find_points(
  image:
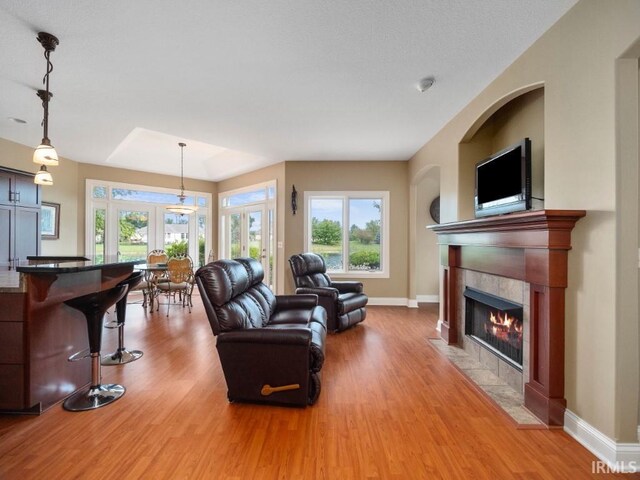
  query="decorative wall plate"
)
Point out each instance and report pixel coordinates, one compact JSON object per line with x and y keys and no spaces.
{"x":434,"y":209}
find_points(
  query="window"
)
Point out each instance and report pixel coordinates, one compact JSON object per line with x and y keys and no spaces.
{"x":350,"y":230}
{"x":131,"y":220}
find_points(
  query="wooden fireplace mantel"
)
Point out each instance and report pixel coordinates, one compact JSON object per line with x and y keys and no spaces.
{"x":533,"y":247}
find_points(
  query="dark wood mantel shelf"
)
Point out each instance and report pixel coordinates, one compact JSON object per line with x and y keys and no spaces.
{"x":533,"y":247}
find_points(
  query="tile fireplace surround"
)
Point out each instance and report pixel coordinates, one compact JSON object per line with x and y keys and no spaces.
{"x":526,"y":252}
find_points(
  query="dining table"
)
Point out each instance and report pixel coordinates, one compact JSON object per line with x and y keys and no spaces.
{"x":153,"y":273}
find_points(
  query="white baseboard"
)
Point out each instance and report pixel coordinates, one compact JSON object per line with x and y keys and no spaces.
{"x":390,"y":301}
{"x":403,"y":302}
{"x":428,"y":298}
{"x":618,"y":457}
{"x":439,"y":326}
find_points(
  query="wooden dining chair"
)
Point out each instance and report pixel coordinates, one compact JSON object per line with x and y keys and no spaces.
{"x":179,"y":276}
{"x":152,"y":278}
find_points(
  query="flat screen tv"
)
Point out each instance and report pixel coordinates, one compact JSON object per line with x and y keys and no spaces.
{"x":503,"y":181}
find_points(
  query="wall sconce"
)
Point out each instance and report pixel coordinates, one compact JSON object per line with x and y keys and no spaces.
{"x":45,"y":154}
{"x":294,"y":200}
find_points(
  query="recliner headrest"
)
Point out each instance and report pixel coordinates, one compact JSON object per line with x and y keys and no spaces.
{"x":224,"y":279}
{"x":307,"y":264}
{"x":254,"y":270}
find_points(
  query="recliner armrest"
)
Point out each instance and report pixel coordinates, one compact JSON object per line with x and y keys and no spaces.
{"x":289,"y":336}
{"x":287,"y":302}
{"x":319,"y":291}
{"x":348,"y":286}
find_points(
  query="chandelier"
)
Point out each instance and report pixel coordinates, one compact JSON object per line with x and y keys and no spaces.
{"x":180,"y":207}
{"x":45,"y":155}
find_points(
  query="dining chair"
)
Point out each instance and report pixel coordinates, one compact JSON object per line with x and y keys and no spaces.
{"x":179,"y":279}
{"x":152,"y":278}
{"x":191,"y":281}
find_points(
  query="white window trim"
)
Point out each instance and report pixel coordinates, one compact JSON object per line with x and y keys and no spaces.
{"x":250,"y":188}
{"x":385,"y":271}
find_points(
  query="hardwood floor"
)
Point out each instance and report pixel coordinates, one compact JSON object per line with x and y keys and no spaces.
{"x":391,"y":407}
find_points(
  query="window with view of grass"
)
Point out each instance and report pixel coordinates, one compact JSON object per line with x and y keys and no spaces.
{"x":350,"y":230}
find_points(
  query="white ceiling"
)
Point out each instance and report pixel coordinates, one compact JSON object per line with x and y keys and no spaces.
{"x":277,"y":80}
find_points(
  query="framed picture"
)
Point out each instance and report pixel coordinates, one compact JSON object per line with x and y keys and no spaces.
{"x":50,"y":221}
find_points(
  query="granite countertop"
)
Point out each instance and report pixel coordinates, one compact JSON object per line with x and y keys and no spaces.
{"x":11,"y":279}
{"x":72,"y":264}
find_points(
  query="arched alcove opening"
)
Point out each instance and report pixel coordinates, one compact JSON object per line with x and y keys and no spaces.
{"x":512,"y":118}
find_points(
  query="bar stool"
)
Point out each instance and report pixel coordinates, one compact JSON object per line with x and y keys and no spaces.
{"x":122,"y":355}
{"x":94,"y":306}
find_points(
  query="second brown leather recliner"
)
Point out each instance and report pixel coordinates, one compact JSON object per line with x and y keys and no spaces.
{"x":344,"y":301}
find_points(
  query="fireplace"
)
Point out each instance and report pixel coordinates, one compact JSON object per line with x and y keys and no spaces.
{"x":531,"y":247}
{"x":495,"y":323}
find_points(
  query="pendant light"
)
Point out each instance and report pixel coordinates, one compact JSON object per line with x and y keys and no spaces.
{"x":43,"y":177}
{"x":45,"y":155}
{"x":181,"y":208}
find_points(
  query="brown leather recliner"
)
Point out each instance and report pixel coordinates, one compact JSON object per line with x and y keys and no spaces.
{"x":344,"y":301}
{"x":271,"y":347}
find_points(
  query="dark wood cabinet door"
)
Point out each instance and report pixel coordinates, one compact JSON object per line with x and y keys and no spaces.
{"x":27,"y":193}
{"x":27,"y":236}
{"x":6,"y":187}
{"x":6,"y":235}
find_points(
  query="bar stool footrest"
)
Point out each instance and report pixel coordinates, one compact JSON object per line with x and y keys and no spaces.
{"x":81,"y":355}
{"x":120,"y":357}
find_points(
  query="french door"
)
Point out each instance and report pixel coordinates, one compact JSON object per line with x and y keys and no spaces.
{"x":132,"y":231}
{"x":247,"y":226}
{"x":248,"y":232}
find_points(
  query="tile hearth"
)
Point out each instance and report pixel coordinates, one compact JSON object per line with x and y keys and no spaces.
{"x":505,"y":396}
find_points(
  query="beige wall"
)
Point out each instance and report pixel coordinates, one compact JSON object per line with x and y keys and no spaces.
{"x":348,"y":176}
{"x":428,"y":253}
{"x":274,"y":172}
{"x":523,"y":117}
{"x":63,"y":191}
{"x":576,"y":62}
{"x":335,"y":176}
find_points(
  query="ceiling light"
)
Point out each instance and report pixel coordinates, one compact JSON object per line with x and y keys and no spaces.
{"x":425,"y":84}
{"x":45,"y":154}
{"x":181,"y":208}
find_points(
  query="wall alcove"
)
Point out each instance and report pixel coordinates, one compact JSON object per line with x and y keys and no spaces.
{"x":520,"y":117}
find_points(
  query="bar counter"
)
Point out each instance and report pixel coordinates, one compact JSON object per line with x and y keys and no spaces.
{"x":38,"y":332}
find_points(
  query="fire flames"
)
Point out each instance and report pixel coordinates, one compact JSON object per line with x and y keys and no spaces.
{"x":505,"y":328}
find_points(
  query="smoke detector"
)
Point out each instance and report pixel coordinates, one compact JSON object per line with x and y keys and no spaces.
{"x":425,"y":84}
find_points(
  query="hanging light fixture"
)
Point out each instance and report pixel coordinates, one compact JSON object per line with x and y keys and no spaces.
{"x":181,"y":208}
{"x":45,"y":155}
{"x":43,"y":177}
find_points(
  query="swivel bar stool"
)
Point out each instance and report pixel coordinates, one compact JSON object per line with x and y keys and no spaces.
{"x":122,"y":355}
{"x":94,"y":306}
